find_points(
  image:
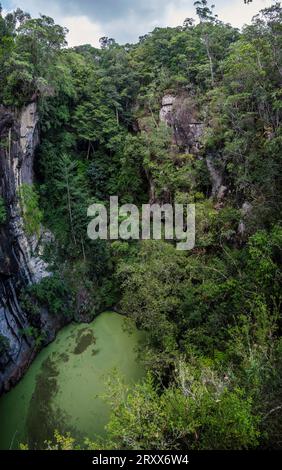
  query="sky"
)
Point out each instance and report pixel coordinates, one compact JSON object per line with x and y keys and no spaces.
{"x":126,"y":20}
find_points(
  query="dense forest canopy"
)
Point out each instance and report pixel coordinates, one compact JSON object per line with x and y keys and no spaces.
{"x":213,"y":315}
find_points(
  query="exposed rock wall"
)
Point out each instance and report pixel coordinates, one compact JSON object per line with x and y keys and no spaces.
{"x":179,"y":113}
{"x":216,"y":176}
{"x":19,"y":263}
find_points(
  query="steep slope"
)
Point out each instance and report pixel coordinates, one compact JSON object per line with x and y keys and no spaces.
{"x":20,"y":264}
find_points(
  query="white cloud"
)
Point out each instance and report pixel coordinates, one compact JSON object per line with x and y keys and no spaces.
{"x":34,"y":7}
{"x":82,"y":31}
{"x":235,"y":12}
{"x":238,"y":14}
{"x":175,"y":15}
{"x":127,"y":25}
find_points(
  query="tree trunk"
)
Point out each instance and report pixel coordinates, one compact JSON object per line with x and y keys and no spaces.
{"x":210,"y":58}
{"x":70,"y":210}
{"x":88,"y":150}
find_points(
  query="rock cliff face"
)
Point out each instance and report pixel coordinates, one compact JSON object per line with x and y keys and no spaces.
{"x":19,"y":263}
{"x":179,"y":113}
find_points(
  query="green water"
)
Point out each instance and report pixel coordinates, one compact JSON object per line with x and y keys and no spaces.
{"x":65,"y":386}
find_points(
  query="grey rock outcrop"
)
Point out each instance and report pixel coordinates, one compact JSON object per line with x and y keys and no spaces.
{"x":219,"y":190}
{"x":246,"y":211}
{"x":20,"y":263}
{"x":166,"y":111}
{"x":180,"y":114}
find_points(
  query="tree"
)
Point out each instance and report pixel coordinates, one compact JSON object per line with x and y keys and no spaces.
{"x":106,"y":42}
{"x":211,"y":316}
{"x":197,"y":412}
{"x":73,"y":194}
{"x":206,"y":18}
{"x":32,"y":215}
{"x":204,"y":12}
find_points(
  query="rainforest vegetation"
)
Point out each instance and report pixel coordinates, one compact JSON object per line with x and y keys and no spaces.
{"x":212,"y":314}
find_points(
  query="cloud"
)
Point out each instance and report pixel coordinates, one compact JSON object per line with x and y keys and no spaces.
{"x":239,"y":14}
{"x":126,"y":20}
{"x":103,"y":10}
{"x":82,"y":31}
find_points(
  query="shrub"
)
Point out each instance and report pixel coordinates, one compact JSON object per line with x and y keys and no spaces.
{"x":3,"y":212}
{"x":32,"y":215}
{"x":4,"y":345}
{"x":53,"y":293}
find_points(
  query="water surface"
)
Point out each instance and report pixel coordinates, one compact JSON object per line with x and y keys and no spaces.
{"x":65,"y":386}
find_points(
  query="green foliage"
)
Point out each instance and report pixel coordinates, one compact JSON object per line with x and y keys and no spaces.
{"x":199,"y":410}
{"x":32,"y":215}
{"x":53,"y":293}
{"x":35,"y":334}
{"x":4,"y":345}
{"x":246,"y":115}
{"x":3,"y":212}
{"x":29,"y":49}
{"x":212,"y":315}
